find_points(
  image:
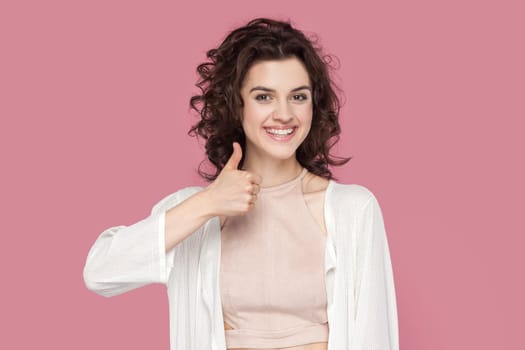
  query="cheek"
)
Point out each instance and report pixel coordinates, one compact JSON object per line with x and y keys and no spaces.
{"x":250,"y":117}
{"x":304,"y":114}
{"x":255,"y":113}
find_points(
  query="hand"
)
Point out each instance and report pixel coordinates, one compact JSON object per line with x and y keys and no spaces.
{"x":234,"y":191}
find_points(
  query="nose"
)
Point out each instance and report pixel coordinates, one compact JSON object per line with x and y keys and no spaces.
{"x":282,"y":112}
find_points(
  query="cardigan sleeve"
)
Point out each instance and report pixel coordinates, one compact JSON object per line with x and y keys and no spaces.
{"x":376,"y":323}
{"x":124,"y":258}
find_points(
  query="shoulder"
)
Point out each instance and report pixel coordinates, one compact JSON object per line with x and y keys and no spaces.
{"x":351,"y":205}
{"x":175,"y":198}
{"x":314,"y":183}
{"x":349,"y":195}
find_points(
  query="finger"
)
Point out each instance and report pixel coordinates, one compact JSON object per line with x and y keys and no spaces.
{"x":251,"y":205}
{"x":254,"y":178}
{"x":252,"y":188}
{"x":235,"y":158}
{"x":253,"y":199}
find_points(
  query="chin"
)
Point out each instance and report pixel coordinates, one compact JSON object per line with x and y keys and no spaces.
{"x":284,"y":153}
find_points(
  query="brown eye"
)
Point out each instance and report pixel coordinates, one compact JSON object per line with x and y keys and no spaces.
{"x":262,"y":97}
{"x":300,"y":97}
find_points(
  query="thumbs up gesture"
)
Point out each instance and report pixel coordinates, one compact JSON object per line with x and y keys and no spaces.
{"x":235,"y":158}
{"x":234,"y":191}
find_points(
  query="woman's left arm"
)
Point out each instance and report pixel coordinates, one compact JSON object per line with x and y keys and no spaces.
{"x":375,"y":298}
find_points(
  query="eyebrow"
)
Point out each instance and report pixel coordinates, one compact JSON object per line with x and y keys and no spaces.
{"x":262,"y":88}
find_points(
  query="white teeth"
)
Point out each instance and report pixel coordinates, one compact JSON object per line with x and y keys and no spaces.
{"x":280,"y":131}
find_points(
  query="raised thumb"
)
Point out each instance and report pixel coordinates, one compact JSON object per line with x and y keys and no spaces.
{"x":235,"y":158}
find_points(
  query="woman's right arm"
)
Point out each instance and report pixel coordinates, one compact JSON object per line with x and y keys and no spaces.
{"x":127,"y":257}
{"x":229,"y":195}
{"x":185,"y":218}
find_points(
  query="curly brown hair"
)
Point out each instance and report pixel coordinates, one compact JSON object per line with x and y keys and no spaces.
{"x":220,"y":103}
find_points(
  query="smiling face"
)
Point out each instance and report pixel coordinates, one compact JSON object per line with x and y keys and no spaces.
{"x":277,"y":110}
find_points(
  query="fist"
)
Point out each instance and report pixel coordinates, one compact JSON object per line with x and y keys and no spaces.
{"x":234,"y":192}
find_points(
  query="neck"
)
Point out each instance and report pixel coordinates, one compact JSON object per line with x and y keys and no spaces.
{"x":274,"y":172}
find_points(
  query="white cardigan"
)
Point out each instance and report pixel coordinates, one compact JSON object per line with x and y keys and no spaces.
{"x":361,"y":299}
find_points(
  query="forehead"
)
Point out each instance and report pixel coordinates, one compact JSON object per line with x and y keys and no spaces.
{"x":277,"y":74}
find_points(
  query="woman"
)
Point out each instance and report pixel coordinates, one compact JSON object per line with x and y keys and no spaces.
{"x":273,"y":253}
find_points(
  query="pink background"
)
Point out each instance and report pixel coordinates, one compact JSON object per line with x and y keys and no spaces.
{"x":94,"y":114}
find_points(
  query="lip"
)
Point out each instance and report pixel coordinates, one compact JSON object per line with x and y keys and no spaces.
{"x":280,"y":138}
{"x":281,"y":127}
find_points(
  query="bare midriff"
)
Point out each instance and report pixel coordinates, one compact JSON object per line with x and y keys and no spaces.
{"x":312,"y":346}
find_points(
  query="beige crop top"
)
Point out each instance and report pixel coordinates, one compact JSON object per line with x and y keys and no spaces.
{"x":272,"y":276}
